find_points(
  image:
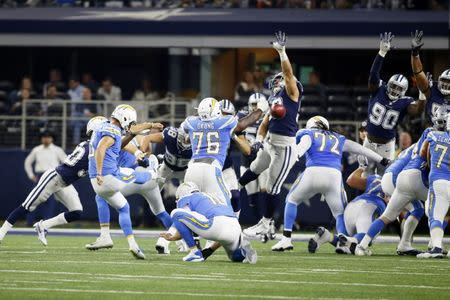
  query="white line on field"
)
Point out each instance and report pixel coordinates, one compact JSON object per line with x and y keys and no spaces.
{"x":23,"y":252}
{"x":188,"y":277}
{"x":128,"y":263}
{"x":183,"y":294}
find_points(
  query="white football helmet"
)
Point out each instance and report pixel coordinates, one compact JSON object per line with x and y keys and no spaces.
{"x":185,"y":189}
{"x":209,"y":109}
{"x":444,"y":82}
{"x":253,"y":101}
{"x":397,"y":87}
{"x":318,"y":122}
{"x":227,"y":107}
{"x":94,"y":124}
{"x":126,"y":115}
{"x":439,"y":118}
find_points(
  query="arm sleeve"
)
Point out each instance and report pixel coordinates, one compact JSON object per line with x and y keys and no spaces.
{"x":374,"y":76}
{"x":353,"y":147}
{"x":28,"y":163}
{"x":304,"y":144}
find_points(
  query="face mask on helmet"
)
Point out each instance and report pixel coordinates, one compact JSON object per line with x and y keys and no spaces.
{"x":227,"y":107}
{"x":439,"y":119}
{"x":182,"y":140}
{"x":395,"y":91}
{"x":209,"y":109}
{"x":444,"y":83}
{"x":277,"y":83}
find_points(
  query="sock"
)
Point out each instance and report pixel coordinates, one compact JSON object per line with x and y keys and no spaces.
{"x":238,"y":255}
{"x":359,"y":236}
{"x":287,"y":233}
{"x":444,"y":224}
{"x":374,"y":229}
{"x":184,"y":231}
{"x":5,"y":228}
{"x":17,"y":214}
{"x":165,"y":218}
{"x":408,"y":229}
{"x":340,"y":224}
{"x":55,"y":221}
{"x":271,"y":205}
{"x":125,"y":220}
{"x":252,"y":199}
{"x":103,"y":210}
{"x":235,"y":200}
{"x":290,"y":214}
{"x":437,"y":235}
{"x":132,"y":242}
{"x":104,"y":230}
{"x":247,"y":177}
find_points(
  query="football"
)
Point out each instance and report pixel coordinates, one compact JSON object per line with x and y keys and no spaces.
{"x":277,"y":110}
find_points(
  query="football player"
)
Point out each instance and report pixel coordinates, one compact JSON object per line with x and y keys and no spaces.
{"x":104,"y":170}
{"x":323,"y":149}
{"x":411,"y":184}
{"x":435,"y":150}
{"x":57,"y":182}
{"x":209,"y":218}
{"x":387,"y":106}
{"x":438,"y":95}
{"x":278,"y":155}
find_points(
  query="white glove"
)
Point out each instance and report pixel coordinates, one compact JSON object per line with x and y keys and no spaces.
{"x":363,"y":162}
{"x":385,"y":43}
{"x":280,"y":41}
{"x":263,"y":105}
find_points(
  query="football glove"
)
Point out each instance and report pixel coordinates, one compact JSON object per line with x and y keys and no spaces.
{"x":280,"y":41}
{"x":363,"y":162}
{"x":385,"y":162}
{"x":144,"y":162}
{"x":416,"y":42}
{"x":385,"y":43}
{"x":263,"y":105}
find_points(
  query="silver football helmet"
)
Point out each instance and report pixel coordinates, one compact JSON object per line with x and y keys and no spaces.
{"x":397,"y":87}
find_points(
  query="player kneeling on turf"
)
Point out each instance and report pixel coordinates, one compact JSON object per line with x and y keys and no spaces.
{"x":207,"y":217}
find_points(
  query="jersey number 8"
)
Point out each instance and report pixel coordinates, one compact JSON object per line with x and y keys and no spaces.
{"x":386,"y":118}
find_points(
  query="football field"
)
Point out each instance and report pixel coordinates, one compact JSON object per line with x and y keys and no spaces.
{"x":65,"y":270}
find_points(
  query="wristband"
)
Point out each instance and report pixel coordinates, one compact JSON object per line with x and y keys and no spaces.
{"x":138,"y":152}
{"x":382,"y":53}
{"x":415,"y":73}
{"x":415,"y":52}
{"x":283,"y":55}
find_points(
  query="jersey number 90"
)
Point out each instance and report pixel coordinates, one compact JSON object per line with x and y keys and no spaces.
{"x":387,"y":118}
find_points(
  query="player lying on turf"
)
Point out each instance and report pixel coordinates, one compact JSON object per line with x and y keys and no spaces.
{"x":411,"y":184}
{"x":323,"y":149}
{"x":104,"y":171}
{"x":210,"y":219}
{"x":435,"y":150}
{"x":57,"y":182}
{"x":387,"y":107}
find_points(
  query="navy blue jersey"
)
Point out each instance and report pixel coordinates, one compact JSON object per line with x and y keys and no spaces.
{"x":437,"y":100}
{"x":175,"y":158}
{"x":76,"y":164}
{"x":374,"y":193}
{"x":384,"y":114}
{"x":250,"y":135}
{"x":288,"y":125}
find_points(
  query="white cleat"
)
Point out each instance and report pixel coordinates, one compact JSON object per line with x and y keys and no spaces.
{"x":162,"y":246}
{"x":41,"y":232}
{"x":137,"y":253}
{"x":250,"y":254}
{"x":182,"y":247}
{"x":285,"y":244}
{"x":360,"y":251}
{"x":433,"y":253}
{"x":343,"y":245}
{"x":321,"y":237}
{"x":102,"y":242}
{"x":262,"y":228}
{"x":194,"y":255}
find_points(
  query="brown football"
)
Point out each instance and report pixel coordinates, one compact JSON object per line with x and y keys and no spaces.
{"x":277,"y":110}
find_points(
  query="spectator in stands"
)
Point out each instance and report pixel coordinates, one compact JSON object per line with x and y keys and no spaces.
{"x":76,"y":94}
{"x":404,"y":141}
{"x":55,"y":79}
{"x":109,"y":91}
{"x":84,"y":111}
{"x":244,"y":89}
{"x":317,"y":85}
{"x":45,"y":156}
{"x":75,"y":88}
{"x":16,"y":95}
{"x":21,"y":99}
{"x":145,"y":93}
{"x":263,"y":3}
{"x":88,"y":81}
{"x":51,"y":95}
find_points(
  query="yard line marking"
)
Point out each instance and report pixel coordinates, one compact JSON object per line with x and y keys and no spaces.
{"x":97,"y":262}
{"x":188,"y":277}
{"x":168,"y":293}
{"x":23,"y":252}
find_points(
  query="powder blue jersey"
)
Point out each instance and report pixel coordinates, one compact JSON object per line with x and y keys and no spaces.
{"x":436,"y":101}
{"x":75,"y":165}
{"x":210,"y":139}
{"x":175,"y":158}
{"x":384,"y":114}
{"x":374,"y":193}
{"x":416,"y":161}
{"x":326,"y":148}
{"x":110,"y":162}
{"x":439,"y":155}
{"x":127,"y":160}
{"x":400,"y":163}
{"x":205,"y":205}
{"x":288,"y":125}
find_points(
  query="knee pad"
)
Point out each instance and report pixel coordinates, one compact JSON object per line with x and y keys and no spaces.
{"x":72,"y":216}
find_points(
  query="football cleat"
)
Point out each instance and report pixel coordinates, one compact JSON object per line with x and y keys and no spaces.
{"x":250,"y":254}
{"x":41,"y":232}
{"x":102,"y":242}
{"x":162,"y":246}
{"x":408,"y":252}
{"x":194,"y":255}
{"x":285,"y":244}
{"x":433,"y":253}
{"x":343,"y":245}
{"x":262,"y":228}
{"x":272,"y":230}
{"x":137,"y":253}
{"x":182,"y":246}
{"x":360,"y":251}
{"x":321,"y":237}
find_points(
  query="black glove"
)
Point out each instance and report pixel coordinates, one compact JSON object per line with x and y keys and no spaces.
{"x":143,"y":162}
{"x":255,"y":148}
{"x":416,"y":42}
{"x":385,"y":162}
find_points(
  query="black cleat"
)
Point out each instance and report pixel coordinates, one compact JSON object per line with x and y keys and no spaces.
{"x":412,"y":252}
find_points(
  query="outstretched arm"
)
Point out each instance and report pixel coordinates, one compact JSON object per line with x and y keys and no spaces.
{"x":304,"y":145}
{"x":421,"y":79}
{"x":291,"y":82}
{"x":353,"y":147}
{"x":157,"y":138}
{"x":385,"y":46}
{"x":262,"y":108}
{"x":242,"y":144}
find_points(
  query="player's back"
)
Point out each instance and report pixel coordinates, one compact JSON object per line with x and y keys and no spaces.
{"x":205,"y":205}
{"x":416,"y":161}
{"x":439,"y":155}
{"x":75,"y":165}
{"x":210,"y":139}
{"x":374,"y":193}
{"x":177,"y":159}
{"x":326,"y":148}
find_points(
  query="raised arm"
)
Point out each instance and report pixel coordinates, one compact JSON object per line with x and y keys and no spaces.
{"x":291,"y":82}
{"x":385,"y":46}
{"x":356,"y":180}
{"x":421,"y":79}
{"x":242,"y":144}
{"x":157,"y":138}
{"x":138,"y":129}
{"x":103,"y":145}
